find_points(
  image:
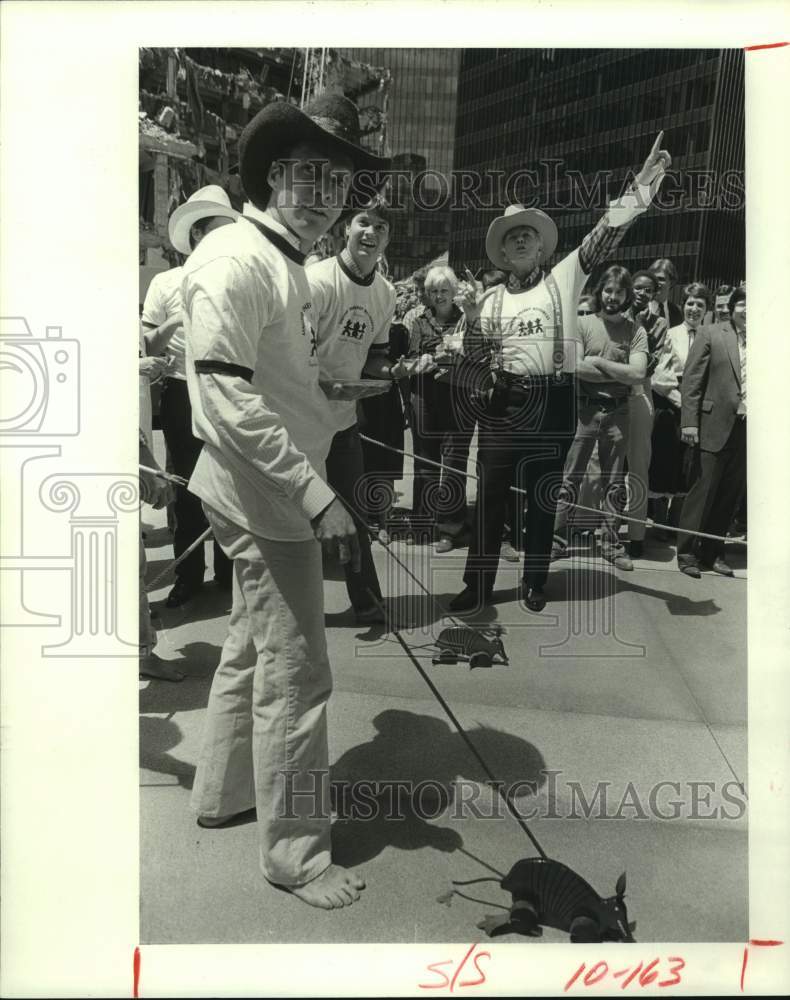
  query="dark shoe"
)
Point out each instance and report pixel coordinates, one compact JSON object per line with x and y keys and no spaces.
{"x":181,"y":593}
{"x":533,"y":597}
{"x":370,"y":616}
{"x":211,"y":822}
{"x":721,"y":567}
{"x":690,"y":569}
{"x":445,"y":544}
{"x":636,"y":549}
{"x":470,"y":599}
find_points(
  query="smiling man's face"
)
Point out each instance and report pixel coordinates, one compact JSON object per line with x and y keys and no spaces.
{"x":367,"y":236}
{"x":309,"y":191}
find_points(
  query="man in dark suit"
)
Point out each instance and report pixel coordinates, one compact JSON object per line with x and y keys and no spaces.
{"x":713,"y":417}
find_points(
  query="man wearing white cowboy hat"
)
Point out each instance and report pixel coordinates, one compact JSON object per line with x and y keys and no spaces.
{"x":252,"y":368}
{"x":526,"y":332}
{"x":207,"y":209}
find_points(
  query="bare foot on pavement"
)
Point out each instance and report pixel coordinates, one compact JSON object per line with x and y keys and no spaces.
{"x":333,"y":888}
{"x":154,"y":666}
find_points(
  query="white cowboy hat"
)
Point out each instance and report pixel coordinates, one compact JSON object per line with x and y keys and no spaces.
{"x":206,"y":203}
{"x":517,"y":215}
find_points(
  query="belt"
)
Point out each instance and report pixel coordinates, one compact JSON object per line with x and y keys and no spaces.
{"x":607,"y":405}
{"x":530,"y":381}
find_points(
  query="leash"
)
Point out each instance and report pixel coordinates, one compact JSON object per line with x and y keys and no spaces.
{"x":499,"y":785}
{"x":160,"y":576}
{"x":161,"y":474}
{"x":648,"y":522}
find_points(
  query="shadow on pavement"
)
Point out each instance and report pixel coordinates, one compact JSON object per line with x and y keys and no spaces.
{"x":199,"y":663}
{"x":588,"y":583}
{"x":385,"y":791}
{"x":157,"y":738}
{"x":209,"y":602}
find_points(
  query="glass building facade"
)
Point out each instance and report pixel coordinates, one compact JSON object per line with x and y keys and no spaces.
{"x":421,"y":122}
{"x":565,"y":127}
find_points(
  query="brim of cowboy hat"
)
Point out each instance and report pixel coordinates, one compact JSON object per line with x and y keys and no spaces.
{"x":279,"y":129}
{"x":529,"y":217}
{"x":185,"y":217}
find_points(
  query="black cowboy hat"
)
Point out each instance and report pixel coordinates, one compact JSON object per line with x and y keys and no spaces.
{"x":330,"y":122}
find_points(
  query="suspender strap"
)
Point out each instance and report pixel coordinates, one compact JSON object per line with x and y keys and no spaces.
{"x":558,"y":356}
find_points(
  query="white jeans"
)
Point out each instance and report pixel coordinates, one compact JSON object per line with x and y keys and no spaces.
{"x":266,"y":728}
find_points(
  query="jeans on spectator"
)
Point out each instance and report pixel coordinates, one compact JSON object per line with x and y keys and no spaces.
{"x":606,"y":423}
{"x":265,"y":737}
{"x":346,"y":475}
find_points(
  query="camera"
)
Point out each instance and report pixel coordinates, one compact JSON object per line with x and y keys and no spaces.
{"x":39,"y":381}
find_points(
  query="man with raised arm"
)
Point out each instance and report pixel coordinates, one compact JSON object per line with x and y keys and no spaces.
{"x":525,"y":332}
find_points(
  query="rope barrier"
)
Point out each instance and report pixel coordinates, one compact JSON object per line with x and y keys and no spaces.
{"x":648,"y":522}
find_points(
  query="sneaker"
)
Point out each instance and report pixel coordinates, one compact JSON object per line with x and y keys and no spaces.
{"x":445,"y":544}
{"x":621,"y":561}
{"x":721,"y":567}
{"x":508,"y":552}
{"x":558,"y":551}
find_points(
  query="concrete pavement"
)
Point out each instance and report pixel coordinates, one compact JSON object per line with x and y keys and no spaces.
{"x":641,"y":682}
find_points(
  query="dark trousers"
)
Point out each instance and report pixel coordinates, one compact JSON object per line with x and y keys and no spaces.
{"x":175,"y":415}
{"x":346,"y":475}
{"x":427,"y":432}
{"x":720,"y":478}
{"x":380,"y":418}
{"x":524,"y":436}
{"x":455,"y":456}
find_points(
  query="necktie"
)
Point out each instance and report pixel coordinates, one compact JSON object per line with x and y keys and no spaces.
{"x":742,"y":353}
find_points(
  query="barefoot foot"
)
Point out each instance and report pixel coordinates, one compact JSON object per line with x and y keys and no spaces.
{"x":153,"y":666}
{"x":333,"y":888}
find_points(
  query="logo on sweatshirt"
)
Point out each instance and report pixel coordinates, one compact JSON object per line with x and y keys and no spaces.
{"x":308,"y":331}
{"x":356,"y":324}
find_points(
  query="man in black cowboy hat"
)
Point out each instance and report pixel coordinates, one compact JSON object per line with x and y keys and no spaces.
{"x":252,"y":367}
{"x":527,"y":329}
